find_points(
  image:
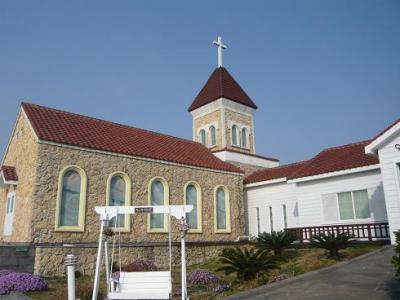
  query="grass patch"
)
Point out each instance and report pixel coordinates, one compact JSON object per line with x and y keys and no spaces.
{"x":294,"y":262}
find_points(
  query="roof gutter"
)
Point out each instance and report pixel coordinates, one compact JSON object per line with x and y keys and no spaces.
{"x":377,"y":143}
{"x":336,"y":173}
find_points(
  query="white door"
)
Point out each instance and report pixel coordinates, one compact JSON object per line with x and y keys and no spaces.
{"x":10,"y":207}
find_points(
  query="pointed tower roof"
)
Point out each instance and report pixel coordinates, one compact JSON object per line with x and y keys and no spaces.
{"x":221,"y":84}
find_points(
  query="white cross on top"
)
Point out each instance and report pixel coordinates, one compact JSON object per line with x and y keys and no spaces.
{"x":220,"y":46}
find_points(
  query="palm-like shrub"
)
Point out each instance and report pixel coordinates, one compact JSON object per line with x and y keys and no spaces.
{"x":396,"y":258}
{"x":246,"y":263}
{"x":277,"y":241}
{"x":333,"y":242}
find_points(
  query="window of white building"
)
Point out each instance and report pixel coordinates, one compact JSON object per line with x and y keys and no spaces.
{"x":353,"y":205}
{"x":271,"y":219}
{"x":284,"y":216}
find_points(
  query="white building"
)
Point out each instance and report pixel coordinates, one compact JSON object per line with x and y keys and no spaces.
{"x":347,"y":185}
{"x":387,"y":147}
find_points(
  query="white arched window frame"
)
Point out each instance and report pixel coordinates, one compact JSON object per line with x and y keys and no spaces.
{"x":70,"y":216}
{"x":160,"y":219}
{"x":222,"y":210}
{"x":213,"y":135}
{"x":202,"y":137}
{"x":188,"y":200}
{"x":127,"y":199}
{"x":234,"y":135}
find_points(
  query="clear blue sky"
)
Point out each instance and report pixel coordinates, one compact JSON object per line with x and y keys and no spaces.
{"x":323,"y":73}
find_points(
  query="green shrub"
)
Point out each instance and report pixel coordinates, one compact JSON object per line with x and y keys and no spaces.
{"x":396,"y":258}
{"x":292,"y":268}
{"x":332,"y":242}
{"x":277,"y":241}
{"x":247,"y":264}
{"x":263,"y":278}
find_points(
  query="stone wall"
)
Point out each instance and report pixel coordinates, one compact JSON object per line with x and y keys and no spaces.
{"x":87,"y":256}
{"x":231,"y":116}
{"x":99,"y":166}
{"x":22,"y":154}
{"x":207,"y":120}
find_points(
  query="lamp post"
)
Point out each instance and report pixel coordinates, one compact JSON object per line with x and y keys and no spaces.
{"x":70,"y":261}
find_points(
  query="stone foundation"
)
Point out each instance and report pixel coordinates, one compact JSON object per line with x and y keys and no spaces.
{"x":49,"y":260}
{"x":17,"y":257}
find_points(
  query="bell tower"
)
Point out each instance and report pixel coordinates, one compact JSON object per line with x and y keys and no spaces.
{"x":223,"y":114}
{"x":223,"y":118}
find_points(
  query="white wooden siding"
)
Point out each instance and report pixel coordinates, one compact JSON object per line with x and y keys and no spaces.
{"x":313,"y":195}
{"x":305,"y":201}
{"x":389,"y":158}
{"x":274,"y":195}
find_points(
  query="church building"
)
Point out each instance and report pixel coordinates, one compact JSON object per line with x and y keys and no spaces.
{"x":59,"y":165}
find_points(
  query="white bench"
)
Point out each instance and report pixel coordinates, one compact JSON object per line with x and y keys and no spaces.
{"x":141,"y":285}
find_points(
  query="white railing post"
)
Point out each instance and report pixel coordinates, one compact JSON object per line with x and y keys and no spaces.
{"x":183,"y":263}
{"x":98,"y":262}
{"x":184,"y":230}
{"x":70,"y":262}
{"x":107,"y":264}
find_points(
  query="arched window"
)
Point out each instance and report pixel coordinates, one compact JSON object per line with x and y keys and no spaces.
{"x":159,"y":195}
{"x":234,"y":135}
{"x":213,"y":135}
{"x":222,"y":210}
{"x":193,"y":197}
{"x":71,"y":199}
{"x":202,"y":136}
{"x":118,"y":194}
{"x":244,"y":137}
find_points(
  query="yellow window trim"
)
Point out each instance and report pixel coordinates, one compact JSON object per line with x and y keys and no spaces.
{"x":82,"y":200}
{"x":227,"y":208}
{"x":199,"y":206}
{"x":128,"y":189}
{"x":166,"y":202}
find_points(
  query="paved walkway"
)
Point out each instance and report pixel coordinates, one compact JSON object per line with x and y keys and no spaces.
{"x":15,"y":296}
{"x":370,"y":276}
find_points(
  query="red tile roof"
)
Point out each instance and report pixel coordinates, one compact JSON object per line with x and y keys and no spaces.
{"x":274,"y":173}
{"x":9,"y":173}
{"x":329,"y":160}
{"x":77,"y":130}
{"x":337,"y":159}
{"x":221,"y":84}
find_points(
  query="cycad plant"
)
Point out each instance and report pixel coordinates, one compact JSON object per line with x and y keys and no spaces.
{"x":277,"y":241}
{"x":396,"y":258}
{"x":333,"y":242}
{"x":246,"y":263}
